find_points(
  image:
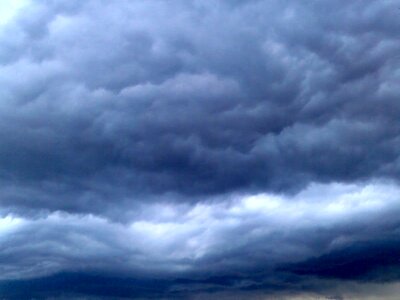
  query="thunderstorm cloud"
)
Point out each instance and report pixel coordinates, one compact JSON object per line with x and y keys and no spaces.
{"x":199,"y":149}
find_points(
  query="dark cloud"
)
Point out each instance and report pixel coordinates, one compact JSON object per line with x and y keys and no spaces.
{"x":168,"y":140}
{"x":76,"y":285}
{"x":196,"y":98}
{"x":254,"y":245}
{"x":376,"y":260}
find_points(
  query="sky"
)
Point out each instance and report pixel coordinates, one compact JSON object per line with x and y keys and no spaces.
{"x":199,"y":149}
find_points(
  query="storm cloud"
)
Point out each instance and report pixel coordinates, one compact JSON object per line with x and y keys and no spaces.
{"x":199,"y":149}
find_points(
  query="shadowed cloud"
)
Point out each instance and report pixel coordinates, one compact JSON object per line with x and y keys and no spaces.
{"x":204,"y":148}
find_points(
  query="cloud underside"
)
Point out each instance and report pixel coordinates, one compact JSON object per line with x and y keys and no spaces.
{"x":199,"y":148}
{"x":255,"y":245}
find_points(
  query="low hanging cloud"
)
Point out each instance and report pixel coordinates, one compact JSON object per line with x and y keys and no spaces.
{"x":206,"y":149}
{"x":235,"y":245}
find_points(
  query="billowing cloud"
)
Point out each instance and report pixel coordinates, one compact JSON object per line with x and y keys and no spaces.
{"x":236,"y":244}
{"x":225,"y":146}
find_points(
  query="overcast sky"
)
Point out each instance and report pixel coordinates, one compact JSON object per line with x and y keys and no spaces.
{"x":199,"y":149}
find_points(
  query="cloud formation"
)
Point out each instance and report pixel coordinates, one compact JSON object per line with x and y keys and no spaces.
{"x":222,"y":147}
{"x":237,"y":244}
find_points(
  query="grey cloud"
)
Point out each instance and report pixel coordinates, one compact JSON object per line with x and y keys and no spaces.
{"x":111,"y":112}
{"x":194,"y":105}
{"x":256,"y":243}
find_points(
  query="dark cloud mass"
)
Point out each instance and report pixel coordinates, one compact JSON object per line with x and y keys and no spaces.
{"x":199,"y":149}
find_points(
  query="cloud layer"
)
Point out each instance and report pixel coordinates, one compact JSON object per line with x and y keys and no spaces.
{"x":225,"y":146}
{"x":352,"y":233}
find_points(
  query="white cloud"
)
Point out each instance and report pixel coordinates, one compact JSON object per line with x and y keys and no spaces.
{"x":9,"y":8}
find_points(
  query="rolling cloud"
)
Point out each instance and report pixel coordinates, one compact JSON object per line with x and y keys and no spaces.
{"x":199,"y":149}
